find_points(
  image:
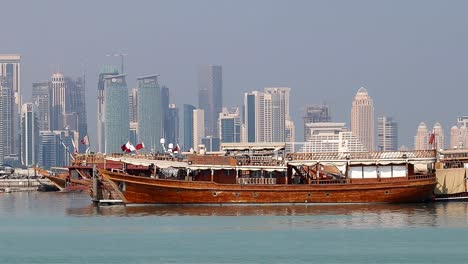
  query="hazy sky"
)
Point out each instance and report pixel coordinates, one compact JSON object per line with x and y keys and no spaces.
{"x":412,"y":56}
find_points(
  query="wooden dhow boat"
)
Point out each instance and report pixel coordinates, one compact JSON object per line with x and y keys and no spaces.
{"x":259,"y":174}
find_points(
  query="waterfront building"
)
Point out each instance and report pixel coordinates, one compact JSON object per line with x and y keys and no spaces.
{"x":172,"y":124}
{"x":188,"y":127}
{"x":421,"y":140}
{"x":150,"y":116}
{"x":210,"y":96}
{"x":10,"y":73}
{"x":315,"y":114}
{"x":29,"y":135}
{"x":116,"y":125}
{"x":362,"y":118}
{"x":41,"y":99}
{"x":58,"y":102}
{"x":387,"y":134}
{"x":101,"y":118}
{"x":198,"y":127}
{"x":47,"y":149}
{"x":331,"y":137}
{"x":229,"y":122}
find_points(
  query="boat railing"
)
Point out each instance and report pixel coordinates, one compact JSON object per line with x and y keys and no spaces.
{"x":421,"y":176}
{"x":329,"y":181}
{"x":256,"y":180}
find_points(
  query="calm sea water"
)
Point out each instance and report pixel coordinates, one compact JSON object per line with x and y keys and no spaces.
{"x":65,"y":228}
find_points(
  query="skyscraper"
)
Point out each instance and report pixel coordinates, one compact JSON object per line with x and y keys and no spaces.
{"x":172,"y":124}
{"x":362,"y":118}
{"x":29,"y":135}
{"x":258,"y":116}
{"x":76,"y":106}
{"x":8,"y":117}
{"x":198,"y":127}
{"x":290,"y":135}
{"x":387,"y":131}
{"x":133,"y":105}
{"x":10,"y":70}
{"x":279,"y":112}
{"x":459,"y":133}
{"x":41,"y":98}
{"x":101,"y":119}
{"x":58,"y":100}
{"x":165,"y":109}
{"x":116,"y":125}
{"x":210,"y":96}
{"x":150,"y":116}
{"x":188,"y":126}
{"x":315,"y":114}
{"x":421,"y":140}
{"x":230,"y":125}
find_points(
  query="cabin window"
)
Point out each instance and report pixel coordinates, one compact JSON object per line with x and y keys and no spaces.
{"x":370,"y":171}
{"x":399,"y":171}
{"x":385,"y":171}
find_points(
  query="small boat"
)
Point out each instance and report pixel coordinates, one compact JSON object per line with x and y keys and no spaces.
{"x":256,"y":174}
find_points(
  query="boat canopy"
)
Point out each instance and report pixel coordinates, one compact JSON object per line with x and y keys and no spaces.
{"x":242,"y":168}
{"x":163,"y":164}
{"x":363,"y":158}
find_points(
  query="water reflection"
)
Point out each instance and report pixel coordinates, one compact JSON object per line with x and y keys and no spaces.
{"x":311,"y":216}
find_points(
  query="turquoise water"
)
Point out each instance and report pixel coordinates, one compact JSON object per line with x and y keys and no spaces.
{"x":64,"y":228}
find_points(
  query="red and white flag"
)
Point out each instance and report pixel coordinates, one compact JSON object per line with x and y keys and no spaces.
{"x":128,"y":147}
{"x":140,"y":146}
{"x":176,"y":149}
{"x":432,"y":138}
{"x":85,"y":140}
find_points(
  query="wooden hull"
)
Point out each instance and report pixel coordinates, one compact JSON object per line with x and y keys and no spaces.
{"x":144,"y":190}
{"x":75,"y":185}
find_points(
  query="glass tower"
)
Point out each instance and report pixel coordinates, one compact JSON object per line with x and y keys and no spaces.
{"x":116,"y":125}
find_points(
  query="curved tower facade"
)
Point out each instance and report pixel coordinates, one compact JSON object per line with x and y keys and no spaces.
{"x":116,"y":125}
{"x":150,"y":112}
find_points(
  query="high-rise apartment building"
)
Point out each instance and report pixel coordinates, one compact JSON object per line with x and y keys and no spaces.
{"x":116,"y":125}
{"x":41,"y":99}
{"x":362,"y":118}
{"x":387,"y":134}
{"x":229,"y":125}
{"x":10,"y":75}
{"x":258,"y":116}
{"x":210,"y":96}
{"x":279,"y":112}
{"x":101,"y":106}
{"x":315,"y":114}
{"x":165,"y":109}
{"x":7,"y":117}
{"x":29,"y":135}
{"x":58,"y":101}
{"x":198,"y":127}
{"x":150,"y":116}
{"x":188,"y":127}
{"x":421,"y":140}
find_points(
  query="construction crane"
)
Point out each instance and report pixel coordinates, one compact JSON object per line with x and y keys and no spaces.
{"x":121,"y":55}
